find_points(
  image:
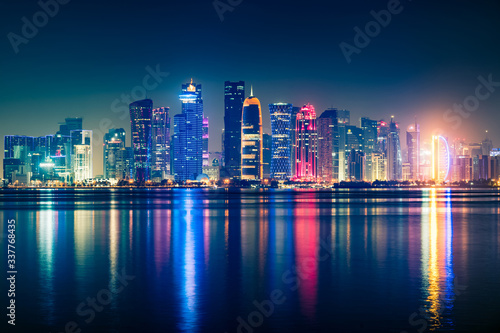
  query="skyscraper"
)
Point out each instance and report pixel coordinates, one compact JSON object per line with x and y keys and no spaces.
{"x":188,"y":134}
{"x":281,"y":162}
{"x":356,"y":165}
{"x":251,"y":140}
{"x":413,"y":144}
{"x":234,"y":95}
{"x":81,"y":155}
{"x":306,"y":138}
{"x":267,"y":155}
{"x":370,"y":133}
{"x":293,"y":121}
{"x":206,"y":153}
{"x":141,"y":119}
{"x":161,"y":143}
{"x":343,"y":121}
{"x":114,"y":140}
{"x":394,"y":159}
{"x":327,"y":151}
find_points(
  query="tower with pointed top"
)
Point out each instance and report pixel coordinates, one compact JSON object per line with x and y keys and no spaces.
{"x":251,"y":139}
{"x":188,"y":134}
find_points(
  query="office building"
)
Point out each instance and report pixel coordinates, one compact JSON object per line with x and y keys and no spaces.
{"x":281,"y":161}
{"x":306,"y":138}
{"x":141,"y":113}
{"x":234,"y":96}
{"x":251,"y":140}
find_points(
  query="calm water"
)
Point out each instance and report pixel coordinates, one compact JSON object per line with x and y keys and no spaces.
{"x":248,"y":261}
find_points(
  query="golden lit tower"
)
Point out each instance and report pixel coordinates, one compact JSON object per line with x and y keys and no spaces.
{"x":251,"y":139}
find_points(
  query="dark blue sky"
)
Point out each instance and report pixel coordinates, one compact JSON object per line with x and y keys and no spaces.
{"x":90,"y":53}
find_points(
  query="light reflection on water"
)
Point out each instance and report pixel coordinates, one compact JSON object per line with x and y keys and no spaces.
{"x":202,"y":259}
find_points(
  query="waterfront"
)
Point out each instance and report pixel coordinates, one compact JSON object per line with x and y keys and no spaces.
{"x":205,"y":260}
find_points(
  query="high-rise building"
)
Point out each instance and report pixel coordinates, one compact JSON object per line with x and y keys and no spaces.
{"x":125,"y":163}
{"x":327,"y":149}
{"x":251,"y":140}
{"x":379,"y":166}
{"x":161,"y":144}
{"x":114,"y":141}
{"x":206,"y":153}
{"x":306,"y":138}
{"x":413,"y":144}
{"x":141,"y":113}
{"x":293,"y":121}
{"x":81,"y":154}
{"x":394,"y":158}
{"x":281,"y":162}
{"x":341,"y":145}
{"x":370,"y":134}
{"x":234,"y":95}
{"x":188,"y":134}
{"x":356,"y":165}
{"x":267,"y":155}
{"x":441,"y":159}
{"x":486,"y":145}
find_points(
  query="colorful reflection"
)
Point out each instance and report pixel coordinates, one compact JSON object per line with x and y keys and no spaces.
{"x":306,"y":232}
{"x":437,"y":260}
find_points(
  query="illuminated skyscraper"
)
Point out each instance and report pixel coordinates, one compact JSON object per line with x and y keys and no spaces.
{"x":161,"y":143}
{"x":306,"y":138}
{"x":413,"y":144}
{"x":328,"y":160}
{"x":370,"y":133}
{"x":141,"y":113}
{"x":441,"y":159}
{"x":394,"y":158}
{"x":356,"y":165}
{"x":206,"y":154}
{"x":251,"y":140}
{"x":267,"y":155}
{"x":281,"y":163}
{"x":81,"y":155}
{"x":234,"y":95}
{"x":114,"y":140}
{"x":188,"y":134}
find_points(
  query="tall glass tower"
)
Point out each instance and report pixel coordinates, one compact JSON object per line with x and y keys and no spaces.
{"x":234,"y":96}
{"x":370,"y":133}
{"x":114,"y":140}
{"x":188,"y":134}
{"x":328,"y":159}
{"x":251,"y":140}
{"x":281,"y":163}
{"x":140,"y":119}
{"x":394,"y":158}
{"x":413,"y":144}
{"x":306,"y":137}
{"x":161,"y":143}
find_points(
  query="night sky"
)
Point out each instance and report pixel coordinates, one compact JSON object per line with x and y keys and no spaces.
{"x":91,"y":52}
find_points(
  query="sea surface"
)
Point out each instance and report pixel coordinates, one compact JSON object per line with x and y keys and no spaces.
{"x":199,"y":260}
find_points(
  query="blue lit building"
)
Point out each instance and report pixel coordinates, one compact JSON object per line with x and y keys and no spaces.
{"x":281,"y":163}
{"x":188,"y":134}
{"x":140,"y":119}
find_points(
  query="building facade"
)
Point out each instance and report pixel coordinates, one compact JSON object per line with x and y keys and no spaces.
{"x":306,"y":150}
{"x":281,"y":162}
{"x":251,"y":140}
{"x":234,"y":96}
{"x":141,"y":113}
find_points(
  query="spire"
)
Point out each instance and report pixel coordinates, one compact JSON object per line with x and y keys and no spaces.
{"x":251,"y":91}
{"x":191,"y":80}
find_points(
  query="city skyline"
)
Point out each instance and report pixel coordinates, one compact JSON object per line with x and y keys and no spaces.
{"x":405,"y":71}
